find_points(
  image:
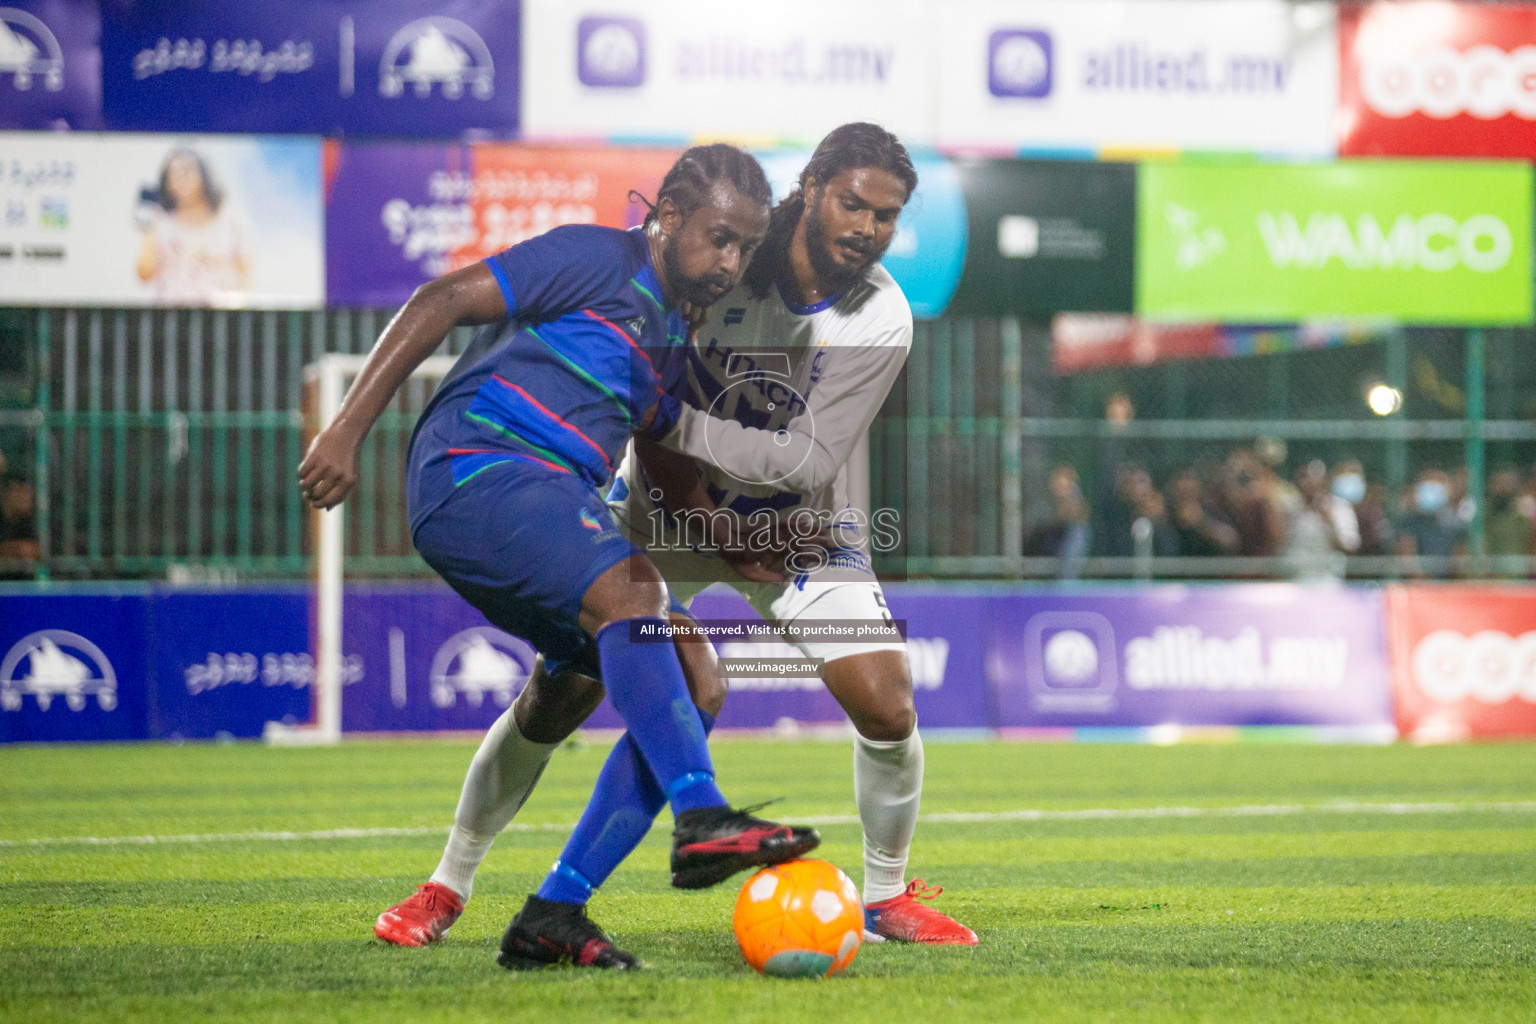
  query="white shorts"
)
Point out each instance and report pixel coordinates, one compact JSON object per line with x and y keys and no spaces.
{"x":844,"y":590}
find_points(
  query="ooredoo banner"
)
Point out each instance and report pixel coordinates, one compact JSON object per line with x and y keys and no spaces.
{"x":1245,"y":75}
{"x":691,"y":68}
{"x":1260,"y":654}
{"x":382,"y":67}
{"x":400,"y":214}
{"x":169,"y":220}
{"x":1416,"y":241}
{"x":1463,"y":661}
{"x":50,"y":64}
{"x":1438,"y":79}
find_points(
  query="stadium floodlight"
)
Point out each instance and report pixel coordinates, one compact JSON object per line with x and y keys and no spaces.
{"x":325,"y":382}
{"x":1384,"y":399}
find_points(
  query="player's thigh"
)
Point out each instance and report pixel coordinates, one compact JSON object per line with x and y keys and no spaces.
{"x":523,"y":545}
{"x":847,"y":626}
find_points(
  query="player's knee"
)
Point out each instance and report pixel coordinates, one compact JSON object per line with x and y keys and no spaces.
{"x":888,"y":722}
{"x":709,"y":694}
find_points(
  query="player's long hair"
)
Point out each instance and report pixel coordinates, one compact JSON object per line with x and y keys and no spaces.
{"x":847,"y":147}
{"x":700,"y":168}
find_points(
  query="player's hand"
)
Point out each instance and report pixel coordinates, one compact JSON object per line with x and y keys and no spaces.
{"x":329,"y":471}
{"x":695,"y":317}
{"x":750,"y":566}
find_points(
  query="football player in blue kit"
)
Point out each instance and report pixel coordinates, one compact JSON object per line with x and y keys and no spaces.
{"x":817,"y":297}
{"x":583,"y":333}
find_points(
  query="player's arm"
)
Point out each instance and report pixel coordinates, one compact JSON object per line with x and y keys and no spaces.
{"x":466,"y":297}
{"x":682,"y":490}
{"x":807,"y":455}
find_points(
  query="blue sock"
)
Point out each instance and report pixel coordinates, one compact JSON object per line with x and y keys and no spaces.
{"x":646,"y":686}
{"x":625,"y":802}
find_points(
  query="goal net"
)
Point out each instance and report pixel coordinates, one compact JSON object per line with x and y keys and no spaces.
{"x":367,"y":534}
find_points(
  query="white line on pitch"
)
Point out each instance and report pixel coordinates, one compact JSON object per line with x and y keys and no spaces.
{"x":959,"y":817}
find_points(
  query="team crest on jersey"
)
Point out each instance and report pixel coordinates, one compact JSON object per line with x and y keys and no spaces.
{"x":437,"y":51}
{"x":29,"y":50}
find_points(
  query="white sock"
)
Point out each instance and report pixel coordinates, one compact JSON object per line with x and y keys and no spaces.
{"x":888,"y":786}
{"x":501,"y":776}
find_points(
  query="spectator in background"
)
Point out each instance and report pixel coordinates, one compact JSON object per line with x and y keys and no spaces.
{"x":1119,"y":483}
{"x":1246,"y":503}
{"x":1320,"y":526}
{"x":1430,"y":527}
{"x":1368,"y":502}
{"x":1507,"y":529}
{"x":1200,"y":531}
{"x":1067,"y":535}
{"x":18,"y":524}
{"x":1152,"y":511}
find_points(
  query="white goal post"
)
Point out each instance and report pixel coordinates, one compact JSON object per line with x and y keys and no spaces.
{"x":325,"y":383}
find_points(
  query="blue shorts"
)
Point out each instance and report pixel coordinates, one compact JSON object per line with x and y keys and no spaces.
{"x":523,"y":543}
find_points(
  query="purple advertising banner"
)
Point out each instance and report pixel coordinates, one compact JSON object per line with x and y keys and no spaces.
{"x":420,"y":658}
{"x":1260,"y":654}
{"x":172,"y":664}
{"x":50,"y":65}
{"x":400,"y":214}
{"x":383,"y":67}
{"x":391,"y":220}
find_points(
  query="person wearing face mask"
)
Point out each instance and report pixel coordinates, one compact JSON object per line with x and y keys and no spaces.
{"x":1430,"y":527}
{"x":1364,"y":501}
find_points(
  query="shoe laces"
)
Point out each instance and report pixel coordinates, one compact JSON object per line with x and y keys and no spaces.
{"x":427,"y":896}
{"x":918,"y":889}
{"x":751,"y":811}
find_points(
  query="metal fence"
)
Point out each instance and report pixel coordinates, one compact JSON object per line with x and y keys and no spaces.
{"x":162,"y":443}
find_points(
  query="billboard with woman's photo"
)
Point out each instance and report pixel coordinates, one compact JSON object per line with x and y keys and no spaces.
{"x":159,"y":220}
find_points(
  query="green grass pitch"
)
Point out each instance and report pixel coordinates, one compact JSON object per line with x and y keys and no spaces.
{"x":1317,"y":902}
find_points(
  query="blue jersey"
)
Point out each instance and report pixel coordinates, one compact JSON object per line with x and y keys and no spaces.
{"x":586,"y":350}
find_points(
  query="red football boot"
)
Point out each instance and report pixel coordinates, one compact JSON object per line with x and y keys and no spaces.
{"x":423,"y":917}
{"x":904,"y":919}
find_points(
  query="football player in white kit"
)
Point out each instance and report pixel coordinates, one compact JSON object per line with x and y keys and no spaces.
{"x":784,"y":381}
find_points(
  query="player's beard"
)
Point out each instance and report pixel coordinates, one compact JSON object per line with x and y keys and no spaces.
{"x":688,"y":289}
{"x":832,"y":275}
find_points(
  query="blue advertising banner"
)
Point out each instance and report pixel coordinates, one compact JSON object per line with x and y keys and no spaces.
{"x":228,"y":662}
{"x":385,"y":67}
{"x":50,"y":64}
{"x":72,"y":667}
{"x":1260,"y":654}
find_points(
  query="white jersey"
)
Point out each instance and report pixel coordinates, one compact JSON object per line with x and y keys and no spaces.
{"x":779,"y":395}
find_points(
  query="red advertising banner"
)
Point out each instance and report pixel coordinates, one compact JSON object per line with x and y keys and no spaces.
{"x":1438,"y":79}
{"x":1096,"y":341}
{"x":1463,"y":661}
